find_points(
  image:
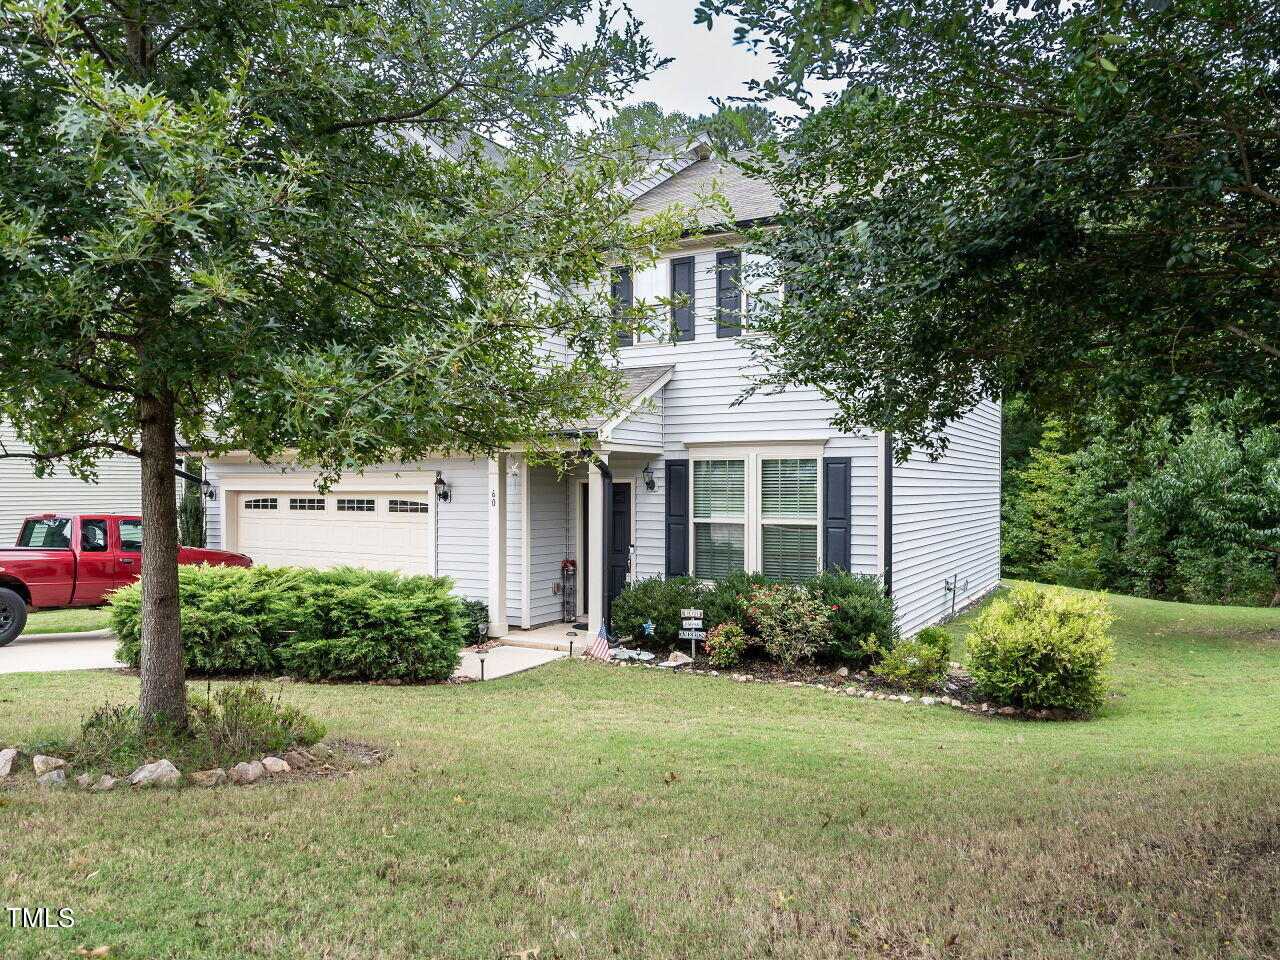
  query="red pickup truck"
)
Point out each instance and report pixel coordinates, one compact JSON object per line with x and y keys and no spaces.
{"x":74,"y":561}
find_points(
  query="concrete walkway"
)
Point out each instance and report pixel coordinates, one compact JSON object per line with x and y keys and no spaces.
{"x":42,"y":652}
{"x":504,"y":661}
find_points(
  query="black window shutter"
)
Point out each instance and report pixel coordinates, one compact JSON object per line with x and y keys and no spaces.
{"x":728,"y":294}
{"x":677,"y":517}
{"x":682,"y":294}
{"x":623,"y":294}
{"x":837,"y":477}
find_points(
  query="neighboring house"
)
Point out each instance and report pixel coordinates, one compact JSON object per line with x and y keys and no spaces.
{"x":765,"y":485}
{"x":22,"y":493}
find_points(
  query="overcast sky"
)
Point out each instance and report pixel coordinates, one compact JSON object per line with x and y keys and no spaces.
{"x":707,"y":62}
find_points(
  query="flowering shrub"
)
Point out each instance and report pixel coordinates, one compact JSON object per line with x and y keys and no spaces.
{"x":724,"y":644}
{"x":913,"y":665}
{"x":791,"y":621}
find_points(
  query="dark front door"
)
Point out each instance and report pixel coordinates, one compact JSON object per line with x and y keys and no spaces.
{"x":618,"y":566}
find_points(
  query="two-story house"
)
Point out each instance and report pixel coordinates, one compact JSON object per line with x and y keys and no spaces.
{"x":684,"y":480}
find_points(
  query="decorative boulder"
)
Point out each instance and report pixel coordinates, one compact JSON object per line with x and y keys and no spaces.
{"x":274,"y":765}
{"x":297,"y":759}
{"x":321,"y":751}
{"x":208,"y":778}
{"x":105,"y":783}
{"x":85,"y":781}
{"x":12,"y":761}
{"x":246,"y":772}
{"x":54,"y":779}
{"x":162,"y":773}
{"x":42,"y":765}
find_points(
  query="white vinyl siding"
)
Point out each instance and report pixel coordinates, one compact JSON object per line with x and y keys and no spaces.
{"x":946,"y":522}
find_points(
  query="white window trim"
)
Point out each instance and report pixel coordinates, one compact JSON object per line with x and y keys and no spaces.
{"x":753,"y":519}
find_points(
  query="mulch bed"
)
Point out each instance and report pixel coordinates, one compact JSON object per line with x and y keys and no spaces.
{"x":957,"y":692}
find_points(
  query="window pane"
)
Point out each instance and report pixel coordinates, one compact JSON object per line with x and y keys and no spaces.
{"x":131,"y":535}
{"x":407,"y":506}
{"x":718,"y":488}
{"x":52,"y":532}
{"x":789,"y":489}
{"x":93,"y":536}
{"x":717,"y":549}
{"x":790,"y":552}
{"x":260,"y":503}
{"x":306,"y":503}
{"x":355,"y":505}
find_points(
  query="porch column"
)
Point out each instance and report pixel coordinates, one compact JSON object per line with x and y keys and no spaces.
{"x":598,"y":566}
{"x":498,"y":626}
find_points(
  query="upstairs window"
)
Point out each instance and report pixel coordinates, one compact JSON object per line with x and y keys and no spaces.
{"x":622,"y":293}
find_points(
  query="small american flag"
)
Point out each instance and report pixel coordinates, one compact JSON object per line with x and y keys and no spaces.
{"x":600,"y":645}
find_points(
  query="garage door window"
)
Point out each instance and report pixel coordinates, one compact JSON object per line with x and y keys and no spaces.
{"x":306,"y":503}
{"x":407,"y":506}
{"x":355,"y":505}
{"x":260,"y":503}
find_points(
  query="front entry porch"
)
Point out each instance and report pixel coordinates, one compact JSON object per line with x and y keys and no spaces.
{"x":606,"y":530}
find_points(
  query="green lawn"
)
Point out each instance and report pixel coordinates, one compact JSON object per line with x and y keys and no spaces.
{"x":81,"y":620}
{"x":610,"y":812}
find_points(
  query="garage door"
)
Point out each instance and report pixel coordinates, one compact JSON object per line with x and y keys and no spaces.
{"x":380,"y":531}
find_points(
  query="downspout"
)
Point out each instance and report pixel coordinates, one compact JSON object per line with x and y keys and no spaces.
{"x":605,"y":524}
{"x":887,"y":520}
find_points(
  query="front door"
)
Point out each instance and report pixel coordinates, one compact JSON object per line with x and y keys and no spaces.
{"x":618,"y":567}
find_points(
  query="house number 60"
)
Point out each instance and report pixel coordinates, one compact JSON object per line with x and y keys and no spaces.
{"x":493,"y":498}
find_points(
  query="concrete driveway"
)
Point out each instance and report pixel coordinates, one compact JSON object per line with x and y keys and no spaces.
{"x":40,"y":653}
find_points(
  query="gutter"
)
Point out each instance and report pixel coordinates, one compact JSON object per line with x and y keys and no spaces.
{"x":887,"y":507}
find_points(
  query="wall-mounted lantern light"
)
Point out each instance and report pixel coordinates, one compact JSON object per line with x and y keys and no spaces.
{"x":647,"y":473}
{"x":442,"y":489}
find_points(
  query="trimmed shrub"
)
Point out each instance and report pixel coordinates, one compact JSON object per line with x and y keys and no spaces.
{"x":858,"y":610}
{"x":790,"y":620}
{"x":936,"y":637}
{"x":725,"y":644}
{"x":658,"y":601}
{"x":1047,"y":649}
{"x":234,"y":619}
{"x":913,"y":665}
{"x":349,"y":630}
{"x":342,"y":624}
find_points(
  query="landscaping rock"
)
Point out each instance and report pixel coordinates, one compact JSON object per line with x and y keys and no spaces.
{"x":162,"y":773}
{"x":928,"y":701}
{"x":54,"y":779}
{"x":106,"y":783}
{"x":297,"y":759}
{"x":42,"y":765}
{"x":274,"y":765}
{"x":208,"y":778}
{"x":246,"y":772}
{"x":1007,"y":711}
{"x":85,"y":781}
{"x":842,"y":672}
{"x":320,"y":751}
{"x":12,"y":761}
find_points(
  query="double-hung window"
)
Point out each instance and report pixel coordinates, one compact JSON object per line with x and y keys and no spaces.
{"x":719,"y":517}
{"x":755,"y":510}
{"x":789,"y":517}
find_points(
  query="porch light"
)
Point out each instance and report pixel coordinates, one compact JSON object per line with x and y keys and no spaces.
{"x":647,"y":473}
{"x":442,"y":489}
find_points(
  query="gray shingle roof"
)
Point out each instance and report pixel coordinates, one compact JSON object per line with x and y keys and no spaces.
{"x":636,"y":380}
{"x":749,"y":198}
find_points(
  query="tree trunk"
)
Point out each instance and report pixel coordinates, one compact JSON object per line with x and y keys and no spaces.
{"x":163,"y":694}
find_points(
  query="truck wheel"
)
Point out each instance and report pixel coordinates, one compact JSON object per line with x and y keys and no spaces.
{"x":13,"y":615}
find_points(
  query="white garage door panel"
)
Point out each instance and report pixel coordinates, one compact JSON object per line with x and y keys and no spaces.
{"x":378,"y":540}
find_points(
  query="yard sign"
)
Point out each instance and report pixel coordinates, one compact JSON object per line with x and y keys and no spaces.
{"x":691,"y":624}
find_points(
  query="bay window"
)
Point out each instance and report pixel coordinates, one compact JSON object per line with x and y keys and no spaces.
{"x":755,"y":510}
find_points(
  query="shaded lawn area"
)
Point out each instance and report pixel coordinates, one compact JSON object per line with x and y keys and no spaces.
{"x":80,"y":620}
{"x":612,"y":812}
